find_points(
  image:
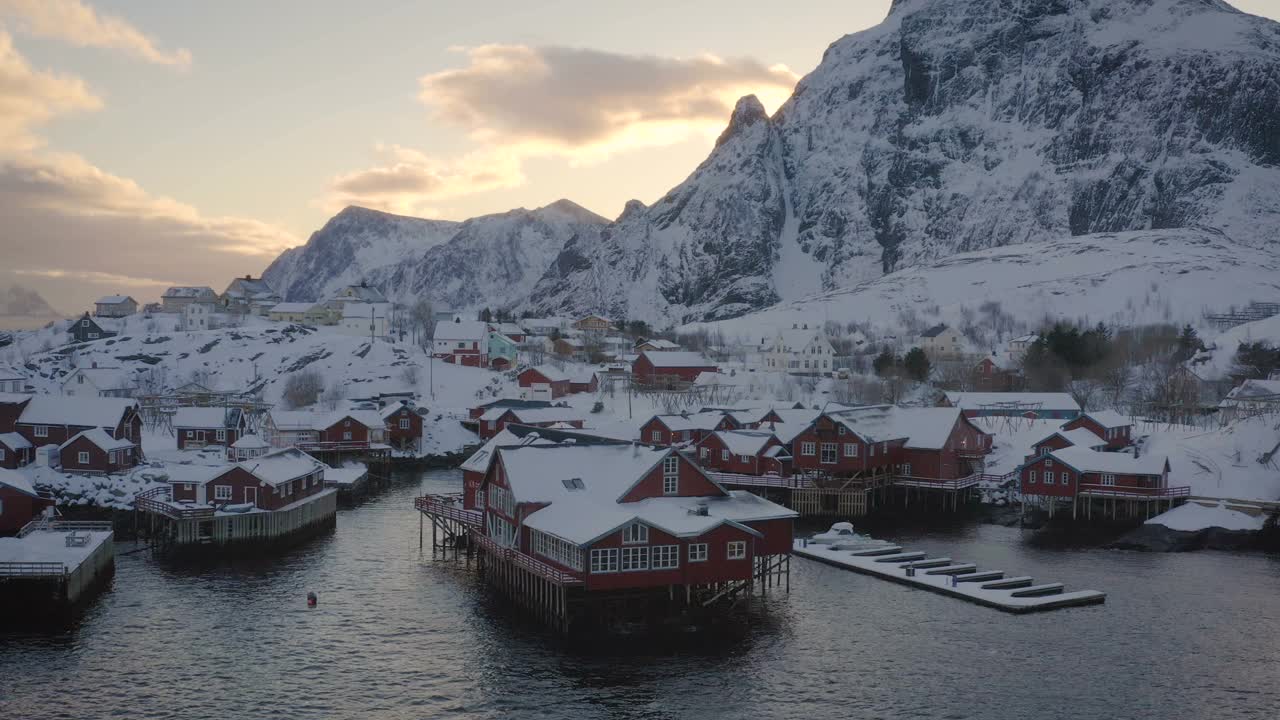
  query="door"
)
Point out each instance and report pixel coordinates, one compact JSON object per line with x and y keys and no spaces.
{"x":251,"y":496}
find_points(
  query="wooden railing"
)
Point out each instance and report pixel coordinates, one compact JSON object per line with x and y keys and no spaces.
{"x":32,"y":569}
{"x":158,"y":501}
{"x":335,"y":446}
{"x":916,"y":481}
{"x":791,"y":483}
{"x":1126,"y":491}
{"x":65,"y":526}
{"x":447,"y":507}
{"x":533,"y":565}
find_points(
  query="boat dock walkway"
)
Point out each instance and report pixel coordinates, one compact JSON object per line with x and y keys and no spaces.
{"x":1015,"y":594}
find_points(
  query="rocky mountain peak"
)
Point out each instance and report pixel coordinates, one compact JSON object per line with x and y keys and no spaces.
{"x":747,"y":112}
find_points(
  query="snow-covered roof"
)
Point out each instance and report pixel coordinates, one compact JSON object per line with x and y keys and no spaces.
{"x":744,"y":442}
{"x":1091,"y":461}
{"x":511,"y":329}
{"x":99,"y":437}
{"x":190,"y":292}
{"x":978,"y":400}
{"x":462,"y":330}
{"x":250,"y":442}
{"x":104,"y":378}
{"x":1109,"y":418}
{"x":113,"y":300}
{"x":923,"y":428}
{"x":677,"y":359}
{"x":14,"y":398}
{"x":660,"y":344}
{"x":1252,"y":390}
{"x":797,"y":339}
{"x":395,"y":407}
{"x":8,"y":373}
{"x":584,"y":376}
{"x":14,"y":441}
{"x":363,"y":310}
{"x":248,"y":287}
{"x":281,"y":466}
{"x":79,"y":410}
{"x":17,"y":481}
{"x":205,"y":417}
{"x":368,"y":418}
{"x":293,"y":420}
{"x":1028,"y":338}
{"x":550,"y":372}
{"x":1080,"y":437}
{"x":193,"y":474}
{"x":535,"y":415}
{"x":292,"y":307}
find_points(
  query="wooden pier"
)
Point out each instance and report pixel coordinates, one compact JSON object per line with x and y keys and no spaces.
{"x":172,"y":528}
{"x":1018,"y":594}
{"x":858,"y":497}
{"x":1110,"y":502}
{"x":54,"y":564}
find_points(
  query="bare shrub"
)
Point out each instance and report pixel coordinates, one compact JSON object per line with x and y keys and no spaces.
{"x":302,"y":388}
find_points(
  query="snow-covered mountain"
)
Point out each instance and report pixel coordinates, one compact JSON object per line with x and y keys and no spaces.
{"x":492,"y":260}
{"x":954,"y":126}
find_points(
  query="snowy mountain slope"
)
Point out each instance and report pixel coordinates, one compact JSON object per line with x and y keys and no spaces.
{"x":955,"y":126}
{"x":489,"y":260}
{"x":1217,"y":361}
{"x":1119,"y":278}
{"x":353,"y":244}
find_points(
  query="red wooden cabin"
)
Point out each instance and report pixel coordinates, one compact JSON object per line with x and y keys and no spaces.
{"x":546,"y":381}
{"x":494,"y":420}
{"x":1059,"y":439}
{"x":744,"y":452}
{"x":352,"y":426}
{"x":269,"y":482}
{"x":1071,"y":471}
{"x":15,"y":451}
{"x":197,"y":427}
{"x":403,"y":426}
{"x":94,"y":451}
{"x":19,"y":502}
{"x":54,"y":419}
{"x":658,"y":368}
{"x":1111,"y":426}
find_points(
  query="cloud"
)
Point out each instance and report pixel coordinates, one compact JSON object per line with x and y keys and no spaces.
{"x":29,"y":97}
{"x":82,"y":232}
{"x":73,"y":22}
{"x":584,"y":105}
{"x":579,"y":101}
{"x":408,"y":180}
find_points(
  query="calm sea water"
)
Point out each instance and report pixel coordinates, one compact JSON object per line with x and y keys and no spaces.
{"x":398,"y":634}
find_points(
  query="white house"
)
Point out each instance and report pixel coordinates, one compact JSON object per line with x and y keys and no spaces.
{"x":465,"y":341}
{"x":177,"y":298}
{"x":1018,"y":347}
{"x":362,"y":293}
{"x":943,"y":342}
{"x":800,"y":351}
{"x":97,"y":381}
{"x":115,"y":306}
{"x":365,"y":319}
{"x":11,"y":381}
{"x":201,"y":315}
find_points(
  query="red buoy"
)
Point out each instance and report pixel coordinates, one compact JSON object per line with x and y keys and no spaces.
{"x":311,"y":599}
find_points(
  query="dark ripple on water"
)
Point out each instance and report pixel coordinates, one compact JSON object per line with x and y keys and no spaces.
{"x":400,"y":635}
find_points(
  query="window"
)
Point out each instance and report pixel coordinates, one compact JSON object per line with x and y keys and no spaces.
{"x":828,"y":453}
{"x":1031,"y":477}
{"x":807,"y":448}
{"x":840,"y":430}
{"x":42,"y":431}
{"x":666,"y":557}
{"x":656,"y":436}
{"x":635,"y":533}
{"x":724,"y":455}
{"x":80,"y":379}
{"x":1,"y":454}
{"x":1048,"y":478}
{"x":851,"y":450}
{"x":1108,"y":479}
{"x":187,"y":486}
{"x":346,"y":435}
{"x":698,"y":552}
{"x":221,"y":492}
{"x":871,"y":450}
{"x":671,"y":475}
{"x":1066,"y":478}
{"x":737,"y":550}
{"x":604,"y":561}
{"x":84,"y":323}
{"x":221,"y":435}
{"x":705,"y":453}
{"x":82,"y":458}
{"x":635,"y":558}
{"x":744,"y":459}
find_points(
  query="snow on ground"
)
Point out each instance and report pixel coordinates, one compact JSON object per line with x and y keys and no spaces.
{"x":1193,"y":516}
{"x":50,"y":546}
{"x":1216,"y":361}
{"x":1013,"y":440}
{"x":107,"y":491}
{"x":1221,"y":463}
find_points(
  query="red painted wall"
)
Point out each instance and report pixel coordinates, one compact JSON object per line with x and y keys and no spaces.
{"x":692,"y":483}
{"x":530,"y":376}
{"x":644,"y":370}
{"x":335,"y":432}
{"x":1121,"y":440}
{"x":755,"y":465}
{"x":19,"y":509}
{"x":716,"y":568}
{"x":9,"y":412}
{"x":99,"y":461}
{"x":402,"y":438}
{"x":186,"y":435}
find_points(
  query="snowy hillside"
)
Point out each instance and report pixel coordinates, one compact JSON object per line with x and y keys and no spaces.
{"x":1121,"y":278}
{"x":1218,"y":359}
{"x":952,"y":127}
{"x":486,"y":261}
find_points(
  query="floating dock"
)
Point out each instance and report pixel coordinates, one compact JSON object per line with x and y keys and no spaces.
{"x":53,"y":564}
{"x":1016,"y":594}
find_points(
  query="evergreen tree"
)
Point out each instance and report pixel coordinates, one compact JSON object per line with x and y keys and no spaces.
{"x":486,"y":316}
{"x":884,"y":362}
{"x":1188,"y":344}
{"x":917,"y":365}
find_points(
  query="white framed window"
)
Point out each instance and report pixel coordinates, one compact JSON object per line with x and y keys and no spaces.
{"x":698,"y":552}
{"x":1048,"y":478}
{"x":82,"y":458}
{"x":655,"y":436}
{"x":1031,"y":477}
{"x":906,"y":469}
{"x":1066,"y":478}
{"x":221,"y":435}
{"x":346,"y":435}
{"x":1108,"y":479}
{"x":346,"y":423}
{"x":840,"y":429}
{"x":635,"y":559}
{"x":828,"y":456}
{"x":737,"y":550}
{"x":221,"y":492}
{"x":666,"y":557}
{"x":744,"y":459}
{"x":724,"y":455}
{"x":604,"y":561}
{"x":42,"y":431}
{"x":808,"y":448}
{"x":884,"y":448}
{"x":705,"y":453}
{"x":671,"y":474}
{"x":851,"y":450}
{"x":1048,"y":463}
{"x":404,"y":423}
{"x":187,"y":486}
{"x":1,"y":454}
{"x":635,"y":534}
{"x":871,"y":450}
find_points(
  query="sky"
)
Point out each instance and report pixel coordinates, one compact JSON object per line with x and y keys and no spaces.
{"x":145,"y":144}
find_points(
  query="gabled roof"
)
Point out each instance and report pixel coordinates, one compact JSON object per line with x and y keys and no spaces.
{"x":17,"y":481}
{"x":368,"y":418}
{"x":105,"y":378}
{"x":1091,"y":461}
{"x":677,"y":359}
{"x":659,"y":344}
{"x":8,"y":373}
{"x":744,"y":442}
{"x":281,"y":466}
{"x":99,"y":437}
{"x":1253,"y":390}
{"x":1080,"y":437}
{"x":78,"y":410}
{"x":921,"y":428}
{"x":293,"y":420}
{"x":1109,"y":418}
{"x":181,"y":291}
{"x":360,"y":292}
{"x":550,"y":372}
{"x":797,"y":339}
{"x":934,"y":331}
{"x":535,"y":415}
{"x":14,"y":441}
{"x":248,"y":287}
{"x":465,"y":330}
{"x":516,"y":403}
{"x":393,"y":408}
{"x":113,"y":300}
{"x":249,"y":442}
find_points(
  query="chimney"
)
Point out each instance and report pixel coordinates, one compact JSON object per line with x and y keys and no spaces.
{"x":248,"y":277}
